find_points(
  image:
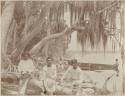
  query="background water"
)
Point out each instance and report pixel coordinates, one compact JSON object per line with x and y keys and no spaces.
{"x":115,"y":83}
{"x":97,"y":55}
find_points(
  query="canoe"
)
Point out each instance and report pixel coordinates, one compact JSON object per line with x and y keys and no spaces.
{"x":94,"y":66}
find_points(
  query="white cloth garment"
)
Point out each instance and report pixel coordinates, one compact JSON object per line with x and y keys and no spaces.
{"x":50,"y":71}
{"x":74,"y":74}
{"x":50,"y":78}
{"x":26,"y":66}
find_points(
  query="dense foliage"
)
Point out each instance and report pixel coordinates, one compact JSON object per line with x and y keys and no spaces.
{"x":33,"y":22}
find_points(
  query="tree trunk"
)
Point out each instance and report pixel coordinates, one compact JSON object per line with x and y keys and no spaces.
{"x":47,"y":45}
{"x":21,"y":46}
{"x":123,"y":46}
{"x":14,"y":36}
{"x":124,"y":51}
{"x":9,"y":35}
{"x":30,"y":35}
{"x":6,"y":19}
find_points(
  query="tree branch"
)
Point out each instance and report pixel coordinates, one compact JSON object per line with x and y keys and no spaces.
{"x":6,"y":20}
{"x":78,"y":28}
{"x":108,"y":7}
{"x":41,"y":43}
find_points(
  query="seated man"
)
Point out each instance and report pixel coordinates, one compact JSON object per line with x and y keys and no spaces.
{"x":116,"y":66}
{"x":25,"y":67}
{"x":50,"y":76}
{"x":73,"y":73}
{"x":72,"y":78}
{"x":47,"y":77}
{"x":26,"y":64}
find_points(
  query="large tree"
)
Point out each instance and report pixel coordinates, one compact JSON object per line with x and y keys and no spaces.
{"x":30,"y":20}
{"x":6,"y":21}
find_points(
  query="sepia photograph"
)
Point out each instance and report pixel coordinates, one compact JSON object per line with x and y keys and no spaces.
{"x":62,"y":48}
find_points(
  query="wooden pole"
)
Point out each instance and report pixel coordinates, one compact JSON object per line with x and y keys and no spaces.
{"x":123,"y":50}
{"x":48,"y":43}
{"x":123,"y":45}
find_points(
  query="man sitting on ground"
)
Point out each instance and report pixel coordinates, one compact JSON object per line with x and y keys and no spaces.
{"x":50,"y":76}
{"x":25,"y":68}
{"x":72,"y":78}
{"x":73,"y":73}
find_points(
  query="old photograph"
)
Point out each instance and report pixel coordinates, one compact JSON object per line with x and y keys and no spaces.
{"x":63,"y":48}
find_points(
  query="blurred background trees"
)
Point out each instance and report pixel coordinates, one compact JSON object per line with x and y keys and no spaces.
{"x":40,"y":27}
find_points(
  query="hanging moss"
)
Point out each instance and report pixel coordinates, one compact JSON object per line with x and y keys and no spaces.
{"x":95,"y":30}
{"x":94,"y":33}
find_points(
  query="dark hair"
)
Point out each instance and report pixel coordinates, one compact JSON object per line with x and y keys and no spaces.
{"x":69,"y":62}
{"x":74,"y":61}
{"x":25,"y":53}
{"x":48,"y":58}
{"x":116,"y":59}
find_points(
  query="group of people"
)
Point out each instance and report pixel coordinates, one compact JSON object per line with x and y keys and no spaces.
{"x":47,"y":77}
